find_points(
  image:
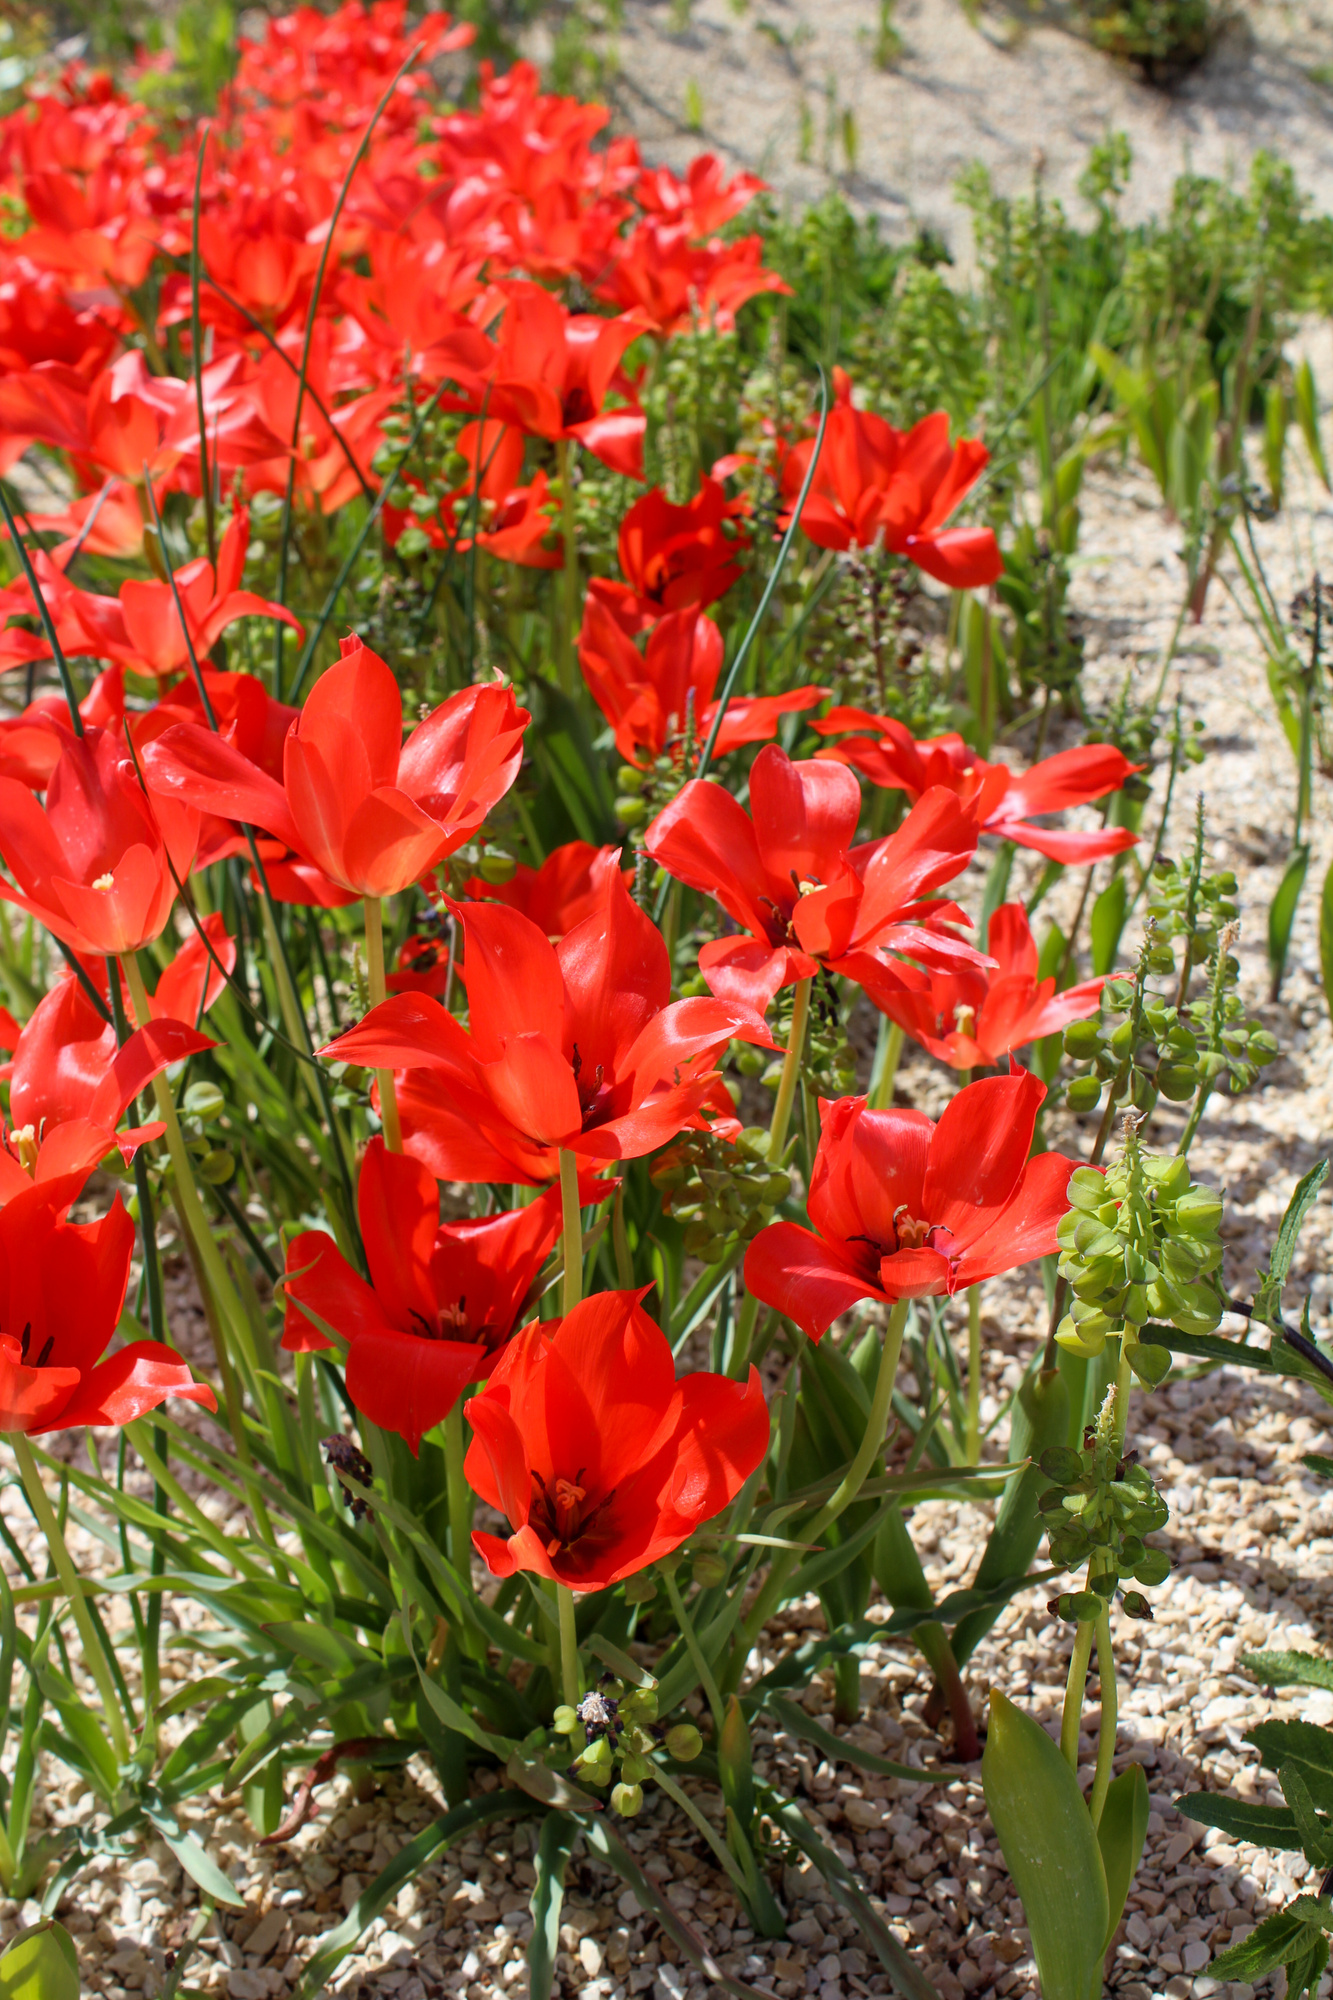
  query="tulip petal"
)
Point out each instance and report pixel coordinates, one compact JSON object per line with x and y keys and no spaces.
{"x":1026,"y":1227}
{"x":978,"y":1153}
{"x":804,"y":1277}
{"x":408,"y":1384}
{"x":128,"y":1384}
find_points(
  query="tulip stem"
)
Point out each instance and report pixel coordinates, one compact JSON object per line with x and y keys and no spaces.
{"x":742,"y":1338}
{"x":791,"y":1070}
{"x":459,"y":1497}
{"x":569,"y":1646}
{"x":569,"y":576}
{"x":393,"y":1131}
{"x":1078,"y":1675}
{"x":888,"y":1053}
{"x":572,"y":1289}
{"x":974,"y":1375}
{"x":1106,"y":1729}
{"x":872,"y":1443}
{"x":94,"y":1653}
{"x":692,"y":1646}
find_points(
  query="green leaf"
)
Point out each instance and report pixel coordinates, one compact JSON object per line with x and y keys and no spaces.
{"x":1306,"y":401}
{"x":407,"y":1864}
{"x":1326,"y":938}
{"x":198,"y":1865}
{"x":1282,"y":913}
{"x":1261,"y":1825}
{"x":1289,"y":1669}
{"x":620,"y":1663}
{"x":1293,"y":1742}
{"x":1211,"y":1347}
{"x":333,"y":1651}
{"x":1314,"y":1832}
{"x":1267,"y":1946}
{"x":1050,"y":1848}
{"x":548,"y":1786}
{"x":1120,"y":1836}
{"x":548,"y":1896}
{"x":1268,"y":1300}
{"x":1107,"y":922}
{"x":796,"y":1722}
{"x":40,"y":1964}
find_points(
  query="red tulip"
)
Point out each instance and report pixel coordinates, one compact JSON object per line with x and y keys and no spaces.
{"x":648,"y":696}
{"x":971,"y":1017}
{"x":569,"y":886}
{"x":96,"y":866}
{"x":70,"y":1085}
{"x":675,"y":283}
{"x":602,"y":1461}
{"x":554,"y":370}
{"x":903,"y":1209}
{"x":442,"y":1298}
{"x":573,"y":1045}
{"x":874,"y":482}
{"x":673,"y":557}
{"x":803,"y":895}
{"x":62,"y":1289}
{"x":706,"y":200}
{"x":371,"y":812}
{"x":1001,"y":799}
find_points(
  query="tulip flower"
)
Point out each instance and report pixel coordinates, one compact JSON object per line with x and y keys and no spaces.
{"x":1002,"y":800}
{"x":371,"y":812}
{"x":62,"y":1288}
{"x":553,"y":372}
{"x":874,"y":483}
{"x":971,"y":1017}
{"x":70,"y":1084}
{"x":600,"y":1459}
{"x":648,"y":697}
{"x":673,"y":557}
{"x":573,"y":1046}
{"x":803,"y":896}
{"x":99,"y":865}
{"x":569,"y":886}
{"x":674,"y":283}
{"x":442,"y":1298}
{"x":705,"y":199}
{"x":905,"y":1209}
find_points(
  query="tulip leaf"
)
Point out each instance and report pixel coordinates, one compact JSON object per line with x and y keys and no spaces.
{"x":1121,"y":1835}
{"x":619,"y":1662}
{"x":548,"y":1896}
{"x":40,"y":1964}
{"x":409,"y":1862}
{"x":1050,"y":1848}
{"x":1282,"y":915}
{"x":327,"y":1648}
{"x":1107,"y":921}
{"x":1040,"y":1419}
{"x":796,"y":1722}
{"x":548,"y":1786}
{"x":1306,"y":401}
{"x":192,"y":1856}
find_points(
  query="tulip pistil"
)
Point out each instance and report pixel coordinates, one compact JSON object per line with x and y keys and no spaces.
{"x":558,"y":1515}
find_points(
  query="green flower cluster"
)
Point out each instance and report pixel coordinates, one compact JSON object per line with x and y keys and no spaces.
{"x":719,"y":1191}
{"x":1099,"y":1510}
{"x":1139,"y":1243}
{"x":620,"y":1731}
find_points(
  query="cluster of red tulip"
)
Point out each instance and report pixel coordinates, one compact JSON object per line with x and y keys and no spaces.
{"x":338,"y":248}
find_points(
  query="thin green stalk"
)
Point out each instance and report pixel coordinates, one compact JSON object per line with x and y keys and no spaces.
{"x":393,"y":1131}
{"x":974,"y":1375}
{"x":1110,"y":1715}
{"x":738,"y":1365}
{"x":43,"y":612}
{"x":572,"y":1232}
{"x":1074,"y":1686}
{"x":459,"y":1496}
{"x":872,"y":1443}
{"x":884,"y":1075}
{"x":791,"y":1071}
{"x":701,"y":1667}
{"x":569,"y":1646}
{"x":569,"y":576}
{"x":94,"y":1654}
{"x":620,"y":1242}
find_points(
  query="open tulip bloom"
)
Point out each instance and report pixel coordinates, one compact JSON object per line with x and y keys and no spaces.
{"x":905,"y":1209}
{"x":600,"y":1459}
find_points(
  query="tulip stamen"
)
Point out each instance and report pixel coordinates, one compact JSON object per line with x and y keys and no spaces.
{"x":105,"y":882}
{"x":24,"y":1338}
{"x":559,"y":1517}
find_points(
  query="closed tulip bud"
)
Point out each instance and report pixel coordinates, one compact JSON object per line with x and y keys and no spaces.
{"x":627,"y":1799}
{"x":684,"y":1742}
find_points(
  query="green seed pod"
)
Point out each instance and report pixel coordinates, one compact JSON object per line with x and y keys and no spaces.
{"x":1061,"y":1465}
{"x":1067,"y":1228}
{"x":1198,"y":1212}
{"x":1083,"y":1093}
{"x":630,"y":812}
{"x":1092,"y":1239}
{"x":1086,"y":1191}
{"x":1081,"y":1039}
{"x":497,"y":866}
{"x":597,"y":1752}
{"x":565,"y":1720}
{"x":641,"y":1705}
{"x":1135,"y":1605}
{"x":1142,"y":1091}
{"x":1105,"y":1585}
{"x":1151,"y":1364}
{"x":627,"y":1800}
{"x":1082,"y":1604}
{"x":203,"y":1101}
{"x":708,"y":1570}
{"x":1072,"y":1338}
{"x":217,"y":1167}
{"x":1155,"y":1567}
{"x":683,"y":1742}
{"x":640,"y":1588}
{"x":1118,"y":994}
{"x":629,"y":779}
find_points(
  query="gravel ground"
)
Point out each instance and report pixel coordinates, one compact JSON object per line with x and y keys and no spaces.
{"x":769,"y":84}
